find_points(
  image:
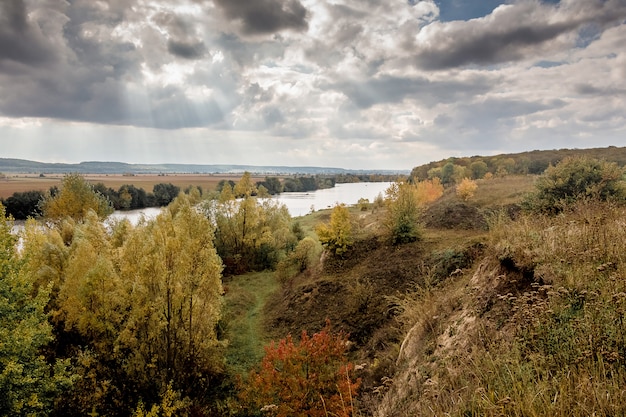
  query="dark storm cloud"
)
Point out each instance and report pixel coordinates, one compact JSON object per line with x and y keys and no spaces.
{"x":187,"y":50}
{"x":183,"y":40}
{"x":510,"y":33}
{"x":97,"y":75}
{"x":20,"y":39}
{"x":266,"y":16}
{"x":389,"y":89}
{"x":85,"y":81}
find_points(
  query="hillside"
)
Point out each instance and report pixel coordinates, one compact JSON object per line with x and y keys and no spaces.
{"x":532,"y":162}
{"x":8,"y":165}
{"x":493,"y":312}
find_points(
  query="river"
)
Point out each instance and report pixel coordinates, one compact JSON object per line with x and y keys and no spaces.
{"x":298,"y":204}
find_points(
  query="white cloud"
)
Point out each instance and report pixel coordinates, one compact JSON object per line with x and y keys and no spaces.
{"x":351,"y":83}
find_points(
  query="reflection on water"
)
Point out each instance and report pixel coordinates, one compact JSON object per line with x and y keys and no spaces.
{"x":300,"y":204}
{"x":135,"y":215}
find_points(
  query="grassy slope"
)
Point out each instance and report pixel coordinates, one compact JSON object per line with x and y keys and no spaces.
{"x":534,"y":328}
{"x":466,"y":321}
{"x":246,"y":295}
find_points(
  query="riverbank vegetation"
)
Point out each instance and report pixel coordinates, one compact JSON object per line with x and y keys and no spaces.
{"x":506,"y":300}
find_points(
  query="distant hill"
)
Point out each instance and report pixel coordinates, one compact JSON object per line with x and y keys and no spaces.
{"x":8,"y":165}
{"x":532,"y":162}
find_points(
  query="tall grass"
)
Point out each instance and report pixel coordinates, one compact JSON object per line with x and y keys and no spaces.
{"x":552,"y":340}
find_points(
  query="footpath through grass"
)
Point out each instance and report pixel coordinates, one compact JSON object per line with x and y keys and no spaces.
{"x":245,"y":298}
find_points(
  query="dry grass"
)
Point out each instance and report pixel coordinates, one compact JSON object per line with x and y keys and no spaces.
{"x":536,"y":329}
{"x":23,"y":182}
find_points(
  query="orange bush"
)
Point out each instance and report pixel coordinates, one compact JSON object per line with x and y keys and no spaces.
{"x":310,"y":378}
{"x":429,"y":190}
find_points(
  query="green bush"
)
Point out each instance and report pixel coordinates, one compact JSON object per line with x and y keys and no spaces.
{"x":575,"y":179}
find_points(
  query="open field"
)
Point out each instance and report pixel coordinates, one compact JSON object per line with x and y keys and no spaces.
{"x":24,"y":182}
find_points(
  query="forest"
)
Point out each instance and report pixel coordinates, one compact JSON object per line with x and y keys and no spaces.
{"x":455,"y":294}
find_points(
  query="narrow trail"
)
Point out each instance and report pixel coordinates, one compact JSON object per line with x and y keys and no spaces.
{"x":246,"y":295}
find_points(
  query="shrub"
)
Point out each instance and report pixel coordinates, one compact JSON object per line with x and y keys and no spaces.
{"x":466,"y":189}
{"x":336,"y":236}
{"x":403,"y":213}
{"x":576,"y":179}
{"x":310,"y":378}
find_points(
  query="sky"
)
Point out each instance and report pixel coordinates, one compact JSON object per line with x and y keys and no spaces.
{"x":357,"y":84}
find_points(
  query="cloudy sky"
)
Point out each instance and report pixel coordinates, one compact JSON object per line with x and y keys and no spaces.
{"x":384,"y":84}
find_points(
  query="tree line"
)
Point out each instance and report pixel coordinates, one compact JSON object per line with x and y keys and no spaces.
{"x":22,"y":205}
{"x":453,"y":170}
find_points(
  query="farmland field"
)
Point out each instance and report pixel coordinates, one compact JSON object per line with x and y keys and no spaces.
{"x":24,"y":182}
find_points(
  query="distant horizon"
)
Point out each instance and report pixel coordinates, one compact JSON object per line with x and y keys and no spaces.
{"x":107,"y":166}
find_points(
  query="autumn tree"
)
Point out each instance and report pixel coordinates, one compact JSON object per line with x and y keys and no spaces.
{"x":309,"y":378}
{"x":75,"y":199}
{"x":429,"y":190}
{"x":466,"y":188}
{"x":403,"y":211}
{"x":336,"y":236}
{"x":245,"y":187}
{"x":29,"y":383}
{"x":250,"y":233}
{"x":135,"y":307}
{"x":92,"y":299}
{"x":174,"y":280}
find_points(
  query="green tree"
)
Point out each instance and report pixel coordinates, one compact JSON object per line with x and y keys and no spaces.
{"x":28,"y":383}
{"x":164,"y":193}
{"x":336,"y":236}
{"x":574,"y":179}
{"x":22,"y":205}
{"x":403,"y":211}
{"x":478,"y":169}
{"x":75,"y":199}
{"x":272,"y":184}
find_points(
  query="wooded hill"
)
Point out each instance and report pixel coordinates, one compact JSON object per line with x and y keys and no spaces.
{"x":533,"y":162}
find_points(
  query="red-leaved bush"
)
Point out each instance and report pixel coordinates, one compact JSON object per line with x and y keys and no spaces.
{"x":310,"y":378}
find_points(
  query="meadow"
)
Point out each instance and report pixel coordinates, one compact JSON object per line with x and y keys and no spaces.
{"x":26,"y":182}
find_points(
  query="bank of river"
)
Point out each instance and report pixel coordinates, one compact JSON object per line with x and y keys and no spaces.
{"x":298,"y":204}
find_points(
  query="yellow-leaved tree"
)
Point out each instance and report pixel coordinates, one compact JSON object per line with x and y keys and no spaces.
{"x":175,"y":292}
{"x":336,"y":236}
{"x":28,"y":382}
{"x":466,"y":188}
{"x":75,"y":199}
